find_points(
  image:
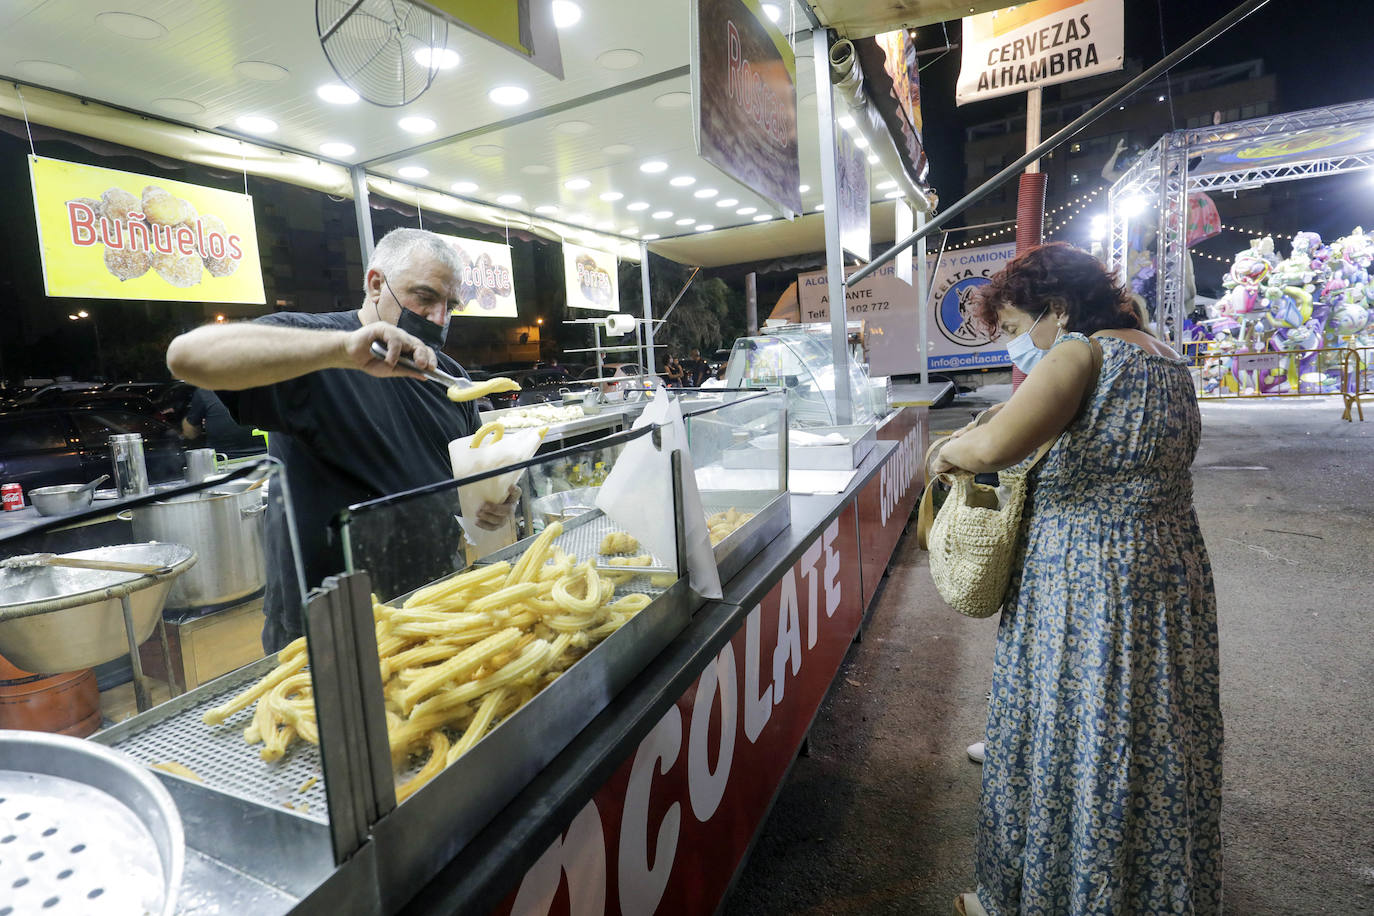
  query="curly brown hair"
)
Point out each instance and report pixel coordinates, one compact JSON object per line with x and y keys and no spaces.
{"x":1064,"y":279}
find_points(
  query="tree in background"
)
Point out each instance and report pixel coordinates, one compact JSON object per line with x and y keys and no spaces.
{"x":709,"y":317}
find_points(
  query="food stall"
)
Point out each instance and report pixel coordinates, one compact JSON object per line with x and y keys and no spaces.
{"x":610,"y":700}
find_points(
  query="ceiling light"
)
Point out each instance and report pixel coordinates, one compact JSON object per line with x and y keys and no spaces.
{"x":818,"y":208}
{"x":337,"y":150}
{"x":415,"y":124}
{"x":620,"y":59}
{"x":683,"y":181}
{"x":746,"y":211}
{"x":685,"y":221}
{"x":893,"y":195}
{"x":509,"y":95}
{"x":884,"y":185}
{"x":673,"y":100}
{"x":179,"y":106}
{"x":566,"y":14}
{"x":575,"y":128}
{"x":464,"y":187}
{"x":443,"y":59}
{"x":337,"y":94}
{"x":255,"y":124}
{"x":661,"y":214}
{"x":490,"y":150}
{"x":650,"y":237}
{"x":705,"y":193}
{"x":763,"y":217}
{"x":412,"y":171}
{"x":705,"y":227}
{"x":727,"y":202}
{"x":845,"y":121}
{"x":577,"y":184}
{"x":45,"y":71}
{"x":611,"y":196}
{"x":617,"y":149}
{"x":637,"y":206}
{"x":132,"y":26}
{"x":872,"y":159}
{"x":861,"y":142}
{"x":772,"y":11}
{"x":260,"y":70}
{"x":508,"y":199}
{"x":804,"y":188}
{"x":546,"y":209}
{"x":653,"y":167}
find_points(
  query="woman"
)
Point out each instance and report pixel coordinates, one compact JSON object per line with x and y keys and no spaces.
{"x":672,"y":373}
{"x":1102,"y":784}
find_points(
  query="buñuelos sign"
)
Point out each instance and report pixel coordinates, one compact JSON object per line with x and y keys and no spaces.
{"x":106,"y":234}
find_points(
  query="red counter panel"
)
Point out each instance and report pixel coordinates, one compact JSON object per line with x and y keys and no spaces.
{"x":887,"y":501}
{"x":667,"y":831}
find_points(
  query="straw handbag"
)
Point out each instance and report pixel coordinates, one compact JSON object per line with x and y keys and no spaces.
{"x":974,"y":537}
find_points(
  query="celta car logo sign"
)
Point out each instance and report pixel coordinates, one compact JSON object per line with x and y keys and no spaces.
{"x":953,"y":317}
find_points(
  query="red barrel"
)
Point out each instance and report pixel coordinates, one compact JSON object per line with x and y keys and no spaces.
{"x":13,"y":496}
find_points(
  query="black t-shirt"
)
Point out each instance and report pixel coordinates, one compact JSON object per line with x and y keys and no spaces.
{"x":345,"y":437}
{"x":221,"y":432}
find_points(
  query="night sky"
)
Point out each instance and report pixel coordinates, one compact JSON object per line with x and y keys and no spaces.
{"x":1320,"y":51}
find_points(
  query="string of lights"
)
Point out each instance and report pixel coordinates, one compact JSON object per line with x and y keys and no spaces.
{"x":1077,"y":205}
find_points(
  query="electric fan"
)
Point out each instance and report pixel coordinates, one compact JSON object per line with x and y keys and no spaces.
{"x":387,"y":51}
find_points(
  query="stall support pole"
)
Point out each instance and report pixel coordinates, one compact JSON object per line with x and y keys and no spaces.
{"x":751,"y":304}
{"x":923,"y":300}
{"x":834,"y":255}
{"x":649,"y":362}
{"x":1033,"y":126}
{"x":362,"y":212}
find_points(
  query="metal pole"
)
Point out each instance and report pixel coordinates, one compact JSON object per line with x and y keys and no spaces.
{"x":1033,"y":125}
{"x":650,"y":361}
{"x":751,"y":304}
{"x":362,"y":212}
{"x":834,"y":255}
{"x":1092,"y":114}
{"x":923,"y":300}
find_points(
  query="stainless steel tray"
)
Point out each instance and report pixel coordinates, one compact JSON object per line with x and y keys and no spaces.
{"x":772,"y":513}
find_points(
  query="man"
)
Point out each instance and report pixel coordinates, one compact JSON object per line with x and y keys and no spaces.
{"x":207,"y":418}
{"x":348,"y":427}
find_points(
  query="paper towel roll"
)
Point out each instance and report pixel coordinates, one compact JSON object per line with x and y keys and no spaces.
{"x":619,"y":325}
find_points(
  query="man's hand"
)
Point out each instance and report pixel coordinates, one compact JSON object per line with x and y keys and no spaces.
{"x":493,"y":515}
{"x":358,"y":350}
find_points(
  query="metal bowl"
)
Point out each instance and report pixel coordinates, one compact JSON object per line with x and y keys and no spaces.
{"x":60,"y":500}
{"x":86,"y":829}
{"x":57,"y":619}
{"x":567,"y":504}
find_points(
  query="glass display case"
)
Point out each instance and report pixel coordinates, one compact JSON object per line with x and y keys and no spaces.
{"x":799,"y":360}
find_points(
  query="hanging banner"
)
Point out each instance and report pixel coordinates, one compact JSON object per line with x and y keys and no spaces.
{"x":486,"y":286}
{"x":590,"y":276}
{"x":1352,"y":139}
{"x":106,"y":234}
{"x":517,"y":25}
{"x":852,"y":165}
{"x":744,"y":96}
{"x":1039,"y":44}
{"x":956,"y":342}
{"x":892,"y":81}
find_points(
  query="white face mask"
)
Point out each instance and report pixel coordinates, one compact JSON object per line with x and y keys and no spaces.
{"x":1023,"y":351}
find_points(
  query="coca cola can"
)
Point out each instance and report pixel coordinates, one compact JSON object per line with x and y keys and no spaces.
{"x":13,"y":496}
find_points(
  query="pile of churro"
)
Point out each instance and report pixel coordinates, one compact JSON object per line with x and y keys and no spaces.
{"x":723,"y":524}
{"x":457,"y":657}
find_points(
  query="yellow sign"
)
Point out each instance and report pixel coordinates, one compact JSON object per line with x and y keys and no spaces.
{"x":105,"y":234}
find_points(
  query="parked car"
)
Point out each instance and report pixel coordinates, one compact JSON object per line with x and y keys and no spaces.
{"x":109,"y":400}
{"x":48,"y":446}
{"x":55,"y":390}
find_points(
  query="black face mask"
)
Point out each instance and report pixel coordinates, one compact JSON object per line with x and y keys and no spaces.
{"x":430,"y":334}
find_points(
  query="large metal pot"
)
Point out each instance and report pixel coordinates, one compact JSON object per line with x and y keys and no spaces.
{"x":224,"y":526}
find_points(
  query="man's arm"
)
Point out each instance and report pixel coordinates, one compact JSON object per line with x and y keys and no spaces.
{"x":235,"y":357}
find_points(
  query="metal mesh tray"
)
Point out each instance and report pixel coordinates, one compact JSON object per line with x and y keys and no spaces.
{"x":218,"y":755}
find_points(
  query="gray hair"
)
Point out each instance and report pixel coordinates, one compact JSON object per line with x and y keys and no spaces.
{"x":399,"y":247}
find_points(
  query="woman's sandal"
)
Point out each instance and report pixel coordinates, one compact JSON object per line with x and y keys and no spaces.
{"x":969,"y":905}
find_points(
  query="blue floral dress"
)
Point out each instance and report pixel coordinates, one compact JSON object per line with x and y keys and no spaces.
{"x":1102,"y":786}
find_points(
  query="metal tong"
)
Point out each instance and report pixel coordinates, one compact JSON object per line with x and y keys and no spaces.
{"x":434,"y":375}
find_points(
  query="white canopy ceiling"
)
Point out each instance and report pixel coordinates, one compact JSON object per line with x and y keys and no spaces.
{"x":625,"y":102}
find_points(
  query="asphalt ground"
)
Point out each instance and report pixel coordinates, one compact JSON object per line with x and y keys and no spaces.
{"x":879,"y":818}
